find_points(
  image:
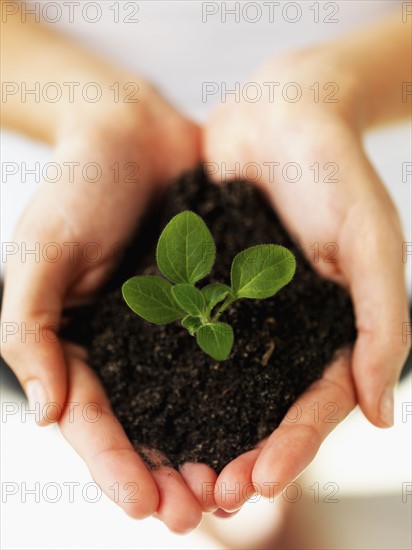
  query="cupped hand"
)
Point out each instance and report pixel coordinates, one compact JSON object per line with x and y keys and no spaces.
{"x":112,"y":159}
{"x":332,"y":201}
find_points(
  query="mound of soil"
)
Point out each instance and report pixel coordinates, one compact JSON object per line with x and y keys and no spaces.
{"x":165,"y":391}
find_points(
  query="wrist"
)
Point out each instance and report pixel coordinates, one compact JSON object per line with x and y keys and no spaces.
{"x":109,"y":102}
{"x":328,"y":83}
{"x":374,"y":66}
{"x":353,"y":90}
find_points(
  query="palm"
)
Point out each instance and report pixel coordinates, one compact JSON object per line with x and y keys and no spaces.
{"x":343,"y":227}
{"x":91,"y":222}
{"x":104,"y":445}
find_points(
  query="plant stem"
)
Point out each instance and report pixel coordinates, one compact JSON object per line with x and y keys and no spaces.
{"x":229,"y":300}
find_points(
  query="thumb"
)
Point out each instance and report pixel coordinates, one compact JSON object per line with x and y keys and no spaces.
{"x":372,"y":255}
{"x":30,"y":320}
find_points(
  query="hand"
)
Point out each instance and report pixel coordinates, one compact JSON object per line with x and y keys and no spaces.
{"x":151,"y":144}
{"x":354,"y":213}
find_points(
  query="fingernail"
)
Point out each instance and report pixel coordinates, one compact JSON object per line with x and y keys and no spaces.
{"x":36,"y":397}
{"x":386,"y":406}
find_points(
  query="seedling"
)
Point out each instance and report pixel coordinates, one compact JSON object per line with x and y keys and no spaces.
{"x":185,"y":254}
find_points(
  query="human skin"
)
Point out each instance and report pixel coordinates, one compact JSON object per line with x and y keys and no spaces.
{"x":163,"y":144}
{"x":355,"y":213}
{"x":159,"y":144}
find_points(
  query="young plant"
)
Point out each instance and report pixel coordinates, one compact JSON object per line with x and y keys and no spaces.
{"x":185,"y":255}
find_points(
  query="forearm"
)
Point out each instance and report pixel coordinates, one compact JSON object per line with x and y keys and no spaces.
{"x":379,"y":60}
{"x":32,"y":58}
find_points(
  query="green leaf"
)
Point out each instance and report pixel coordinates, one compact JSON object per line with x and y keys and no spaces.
{"x":189,"y":298}
{"x":151,"y":297}
{"x":186,"y":250}
{"x":214,"y":293}
{"x":191,"y":323}
{"x":260,"y":271}
{"x":216,"y":339}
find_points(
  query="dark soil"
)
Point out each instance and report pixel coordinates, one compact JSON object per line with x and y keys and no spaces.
{"x":166,"y":392}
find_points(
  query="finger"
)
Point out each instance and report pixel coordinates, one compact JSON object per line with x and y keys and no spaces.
{"x":178,"y":507}
{"x":221,"y":514}
{"x":173,"y":157}
{"x":294,"y":444}
{"x":373,"y":264}
{"x":234,"y":484}
{"x":221,"y":150}
{"x":201,"y":480}
{"x":30,"y":320}
{"x":91,"y":428}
